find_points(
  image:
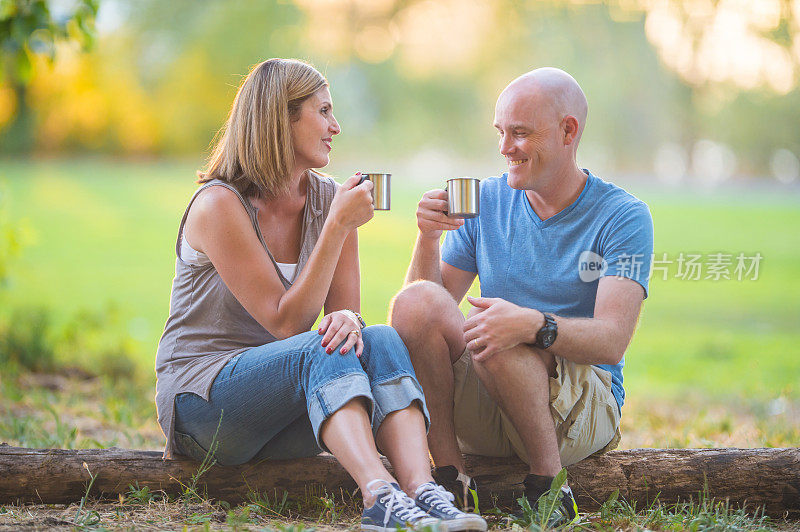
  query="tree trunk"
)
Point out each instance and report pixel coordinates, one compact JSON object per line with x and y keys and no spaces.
{"x":759,"y":477}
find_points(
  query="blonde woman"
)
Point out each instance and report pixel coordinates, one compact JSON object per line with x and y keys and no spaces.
{"x":265,"y":244}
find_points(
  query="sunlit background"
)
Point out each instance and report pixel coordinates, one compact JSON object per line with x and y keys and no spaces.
{"x":685,"y":91}
{"x":693,"y":105}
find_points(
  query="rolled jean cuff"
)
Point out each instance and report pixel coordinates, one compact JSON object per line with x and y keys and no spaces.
{"x":333,"y":395}
{"x":396,"y":394}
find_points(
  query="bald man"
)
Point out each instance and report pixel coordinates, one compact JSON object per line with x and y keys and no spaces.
{"x":563,"y":260}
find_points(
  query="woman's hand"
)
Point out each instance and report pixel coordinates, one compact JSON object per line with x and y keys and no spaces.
{"x":352,"y":204}
{"x":339,"y":327}
{"x":431,"y":217}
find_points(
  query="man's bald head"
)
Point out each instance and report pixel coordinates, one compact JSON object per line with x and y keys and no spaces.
{"x":554,"y":89}
{"x":540,"y":118}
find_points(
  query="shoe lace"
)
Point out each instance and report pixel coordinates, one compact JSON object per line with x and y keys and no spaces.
{"x":439,"y":498}
{"x":395,"y":501}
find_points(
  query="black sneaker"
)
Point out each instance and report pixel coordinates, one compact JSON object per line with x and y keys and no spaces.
{"x":564,"y":512}
{"x":460,"y":485}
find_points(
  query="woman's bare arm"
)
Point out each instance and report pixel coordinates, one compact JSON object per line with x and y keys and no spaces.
{"x":224,"y":232}
{"x":345,"y":291}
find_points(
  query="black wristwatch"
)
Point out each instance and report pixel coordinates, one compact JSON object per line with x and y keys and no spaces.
{"x":547,"y":334}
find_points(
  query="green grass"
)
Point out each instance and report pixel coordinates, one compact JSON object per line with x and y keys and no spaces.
{"x":712,"y":363}
{"x":104,"y":232}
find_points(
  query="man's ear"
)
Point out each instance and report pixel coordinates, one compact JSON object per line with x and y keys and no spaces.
{"x":571,"y":127}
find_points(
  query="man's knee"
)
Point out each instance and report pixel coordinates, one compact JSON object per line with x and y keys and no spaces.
{"x":420,"y":302}
{"x":524,"y":358}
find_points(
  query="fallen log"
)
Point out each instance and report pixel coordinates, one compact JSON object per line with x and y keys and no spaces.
{"x":768,"y":478}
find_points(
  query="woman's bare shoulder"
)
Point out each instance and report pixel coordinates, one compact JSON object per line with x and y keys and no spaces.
{"x":216,"y":210}
{"x":216,"y":201}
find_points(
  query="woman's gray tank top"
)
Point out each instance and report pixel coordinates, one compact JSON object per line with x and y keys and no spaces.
{"x":207,"y":326}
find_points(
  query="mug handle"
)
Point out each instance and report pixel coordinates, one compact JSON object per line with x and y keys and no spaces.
{"x":363,"y":178}
{"x":447,"y":184}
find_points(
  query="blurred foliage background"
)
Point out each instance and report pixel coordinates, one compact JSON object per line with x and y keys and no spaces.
{"x":108,"y":107}
{"x":674,"y":86}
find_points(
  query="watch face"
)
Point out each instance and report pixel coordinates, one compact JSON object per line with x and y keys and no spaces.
{"x":549,"y":338}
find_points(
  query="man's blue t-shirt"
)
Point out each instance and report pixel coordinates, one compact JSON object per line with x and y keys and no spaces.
{"x":555,"y":265}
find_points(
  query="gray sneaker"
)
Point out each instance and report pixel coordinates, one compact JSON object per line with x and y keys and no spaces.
{"x":438,"y":502}
{"x":394,"y":510}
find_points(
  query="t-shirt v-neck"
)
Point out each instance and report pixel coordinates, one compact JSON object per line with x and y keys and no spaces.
{"x":560,"y":214}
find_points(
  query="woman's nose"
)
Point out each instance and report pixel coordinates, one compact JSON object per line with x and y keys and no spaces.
{"x":334,"y":127}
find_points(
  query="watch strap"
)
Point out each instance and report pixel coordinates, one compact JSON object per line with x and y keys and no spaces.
{"x":547,"y":334}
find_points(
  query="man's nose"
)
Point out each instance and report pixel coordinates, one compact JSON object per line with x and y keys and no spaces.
{"x":506,"y":145}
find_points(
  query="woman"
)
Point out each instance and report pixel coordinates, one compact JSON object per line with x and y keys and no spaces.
{"x":264,"y":245}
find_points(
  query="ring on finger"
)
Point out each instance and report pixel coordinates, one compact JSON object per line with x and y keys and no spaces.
{"x":355,"y":331}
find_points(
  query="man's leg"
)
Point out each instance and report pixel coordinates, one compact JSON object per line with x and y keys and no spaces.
{"x":431,"y":325}
{"x":518,"y":381}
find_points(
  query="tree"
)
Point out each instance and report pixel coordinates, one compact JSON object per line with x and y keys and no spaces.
{"x":29,"y":28}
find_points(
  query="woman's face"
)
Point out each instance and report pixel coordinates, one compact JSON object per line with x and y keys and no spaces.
{"x":313,"y":131}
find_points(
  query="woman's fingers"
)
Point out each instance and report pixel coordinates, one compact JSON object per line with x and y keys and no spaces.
{"x":338,"y":338}
{"x":338,"y":329}
{"x":350,"y":341}
{"x":352,"y":181}
{"x":324,"y":323}
{"x":330,"y":333}
{"x":359,"y":345}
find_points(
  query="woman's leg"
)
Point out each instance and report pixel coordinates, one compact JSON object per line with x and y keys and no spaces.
{"x":403,"y":439}
{"x":401,"y":416}
{"x":270,"y":390}
{"x":348,"y":436}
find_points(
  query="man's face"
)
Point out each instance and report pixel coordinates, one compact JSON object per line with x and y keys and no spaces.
{"x":529,"y":134}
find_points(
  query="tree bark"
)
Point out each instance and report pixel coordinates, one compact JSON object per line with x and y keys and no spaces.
{"x":768,"y":478}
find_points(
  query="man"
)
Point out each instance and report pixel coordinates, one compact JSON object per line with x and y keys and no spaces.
{"x":563,"y":261}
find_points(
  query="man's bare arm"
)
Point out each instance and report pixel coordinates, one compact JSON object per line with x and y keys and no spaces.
{"x":425,"y":261}
{"x":602,"y":339}
{"x":431,"y":221}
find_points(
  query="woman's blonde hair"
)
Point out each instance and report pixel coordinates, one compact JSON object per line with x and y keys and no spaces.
{"x":253,"y":150}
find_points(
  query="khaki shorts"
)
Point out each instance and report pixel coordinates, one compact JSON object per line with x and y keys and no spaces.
{"x":583,"y":407}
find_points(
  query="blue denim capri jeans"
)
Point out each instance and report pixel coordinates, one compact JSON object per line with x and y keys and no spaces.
{"x":276,"y":396}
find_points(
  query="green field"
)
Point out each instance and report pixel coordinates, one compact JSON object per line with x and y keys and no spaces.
{"x":104,"y":232}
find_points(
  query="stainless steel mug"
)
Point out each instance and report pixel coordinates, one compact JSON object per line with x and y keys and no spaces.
{"x":381,"y":189}
{"x":463,"y":197}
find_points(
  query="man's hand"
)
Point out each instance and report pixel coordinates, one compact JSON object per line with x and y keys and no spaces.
{"x":431,"y":217}
{"x":499,"y":325}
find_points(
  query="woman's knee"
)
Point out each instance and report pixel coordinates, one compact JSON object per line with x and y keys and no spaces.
{"x":383,"y":335}
{"x":386,"y":342}
{"x":313,"y":351}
